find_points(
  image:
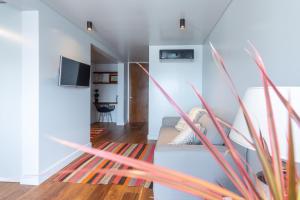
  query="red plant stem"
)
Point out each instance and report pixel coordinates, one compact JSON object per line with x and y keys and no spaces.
{"x":235,"y":155}
{"x":277,"y":165}
{"x":257,"y":142}
{"x":285,"y":102}
{"x":237,"y":131}
{"x":276,"y":160}
{"x":292,"y":175}
{"x":261,"y":153}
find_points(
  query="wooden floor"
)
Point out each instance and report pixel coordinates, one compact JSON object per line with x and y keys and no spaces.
{"x":135,"y":133}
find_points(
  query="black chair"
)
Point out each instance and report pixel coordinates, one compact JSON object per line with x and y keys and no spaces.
{"x":105,"y":112}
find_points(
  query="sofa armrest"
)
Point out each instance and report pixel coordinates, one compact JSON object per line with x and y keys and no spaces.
{"x":172,"y":149}
{"x":170,"y":121}
{"x":194,"y":160}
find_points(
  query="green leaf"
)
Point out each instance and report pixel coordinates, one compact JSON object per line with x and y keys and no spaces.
{"x":298,"y":190}
{"x":291,"y":166}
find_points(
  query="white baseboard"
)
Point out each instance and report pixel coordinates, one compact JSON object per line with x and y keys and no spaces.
{"x":30,"y":180}
{"x":120,"y":123}
{"x":60,"y":164}
{"x":9,"y":180}
{"x":152,"y":137}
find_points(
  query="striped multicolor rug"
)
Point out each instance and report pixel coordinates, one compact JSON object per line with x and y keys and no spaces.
{"x":85,"y":169}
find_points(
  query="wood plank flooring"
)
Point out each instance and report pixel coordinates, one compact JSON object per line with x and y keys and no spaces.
{"x":134,"y":133}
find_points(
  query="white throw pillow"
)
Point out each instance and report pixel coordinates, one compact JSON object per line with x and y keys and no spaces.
{"x":194,"y":114}
{"x":187,"y":136}
{"x":212,"y":133}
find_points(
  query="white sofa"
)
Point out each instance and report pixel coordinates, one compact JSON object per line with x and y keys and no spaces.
{"x":194,"y":160}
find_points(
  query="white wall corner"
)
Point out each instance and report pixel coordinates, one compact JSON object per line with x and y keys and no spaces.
{"x":30,"y":95}
{"x":152,"y":137}
{"x":121,"y":94}
{"x":30,"y":180}
{"x":51,"y":170}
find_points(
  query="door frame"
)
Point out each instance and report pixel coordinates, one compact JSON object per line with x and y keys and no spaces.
{"x":128,"y":88}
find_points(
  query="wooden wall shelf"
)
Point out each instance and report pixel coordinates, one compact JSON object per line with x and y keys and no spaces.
{"x":104,"y":83}
{"x":112,"y":73}
{"x":111,"y":77}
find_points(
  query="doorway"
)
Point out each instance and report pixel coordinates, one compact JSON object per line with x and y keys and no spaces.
{"x":138,"y":93}
{"x":104,"y":102}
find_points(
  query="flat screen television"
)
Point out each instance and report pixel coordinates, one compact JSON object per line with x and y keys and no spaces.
{"x":73,"y":73}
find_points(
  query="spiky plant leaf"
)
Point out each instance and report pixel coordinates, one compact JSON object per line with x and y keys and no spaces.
{"x":291,"y":167}
{"x":171,"y":177}
{"x":298,"y":190}
{"x":257,"y":58}
{"x":235,"y":155}
{"x":267,"y":168}
{"x":233,"y":176}
{"x":275,"y":148}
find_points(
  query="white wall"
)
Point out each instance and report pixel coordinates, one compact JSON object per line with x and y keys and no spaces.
{"x":121,"y":95}
{"x":32,"y":104}
{"x":126,"y":93}
{"x":64,"y":111}
{"x":10,"y":98}
{"x":30,"y":98}
{"x":272,"y":27}
{"x":174,"y":77}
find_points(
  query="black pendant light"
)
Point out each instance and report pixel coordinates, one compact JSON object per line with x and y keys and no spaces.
{"x":182,"y":24}
{"x":89,"y":25}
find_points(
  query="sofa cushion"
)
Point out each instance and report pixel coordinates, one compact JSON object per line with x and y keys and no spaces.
{"x":166,"y":135}
{"x":211,"y":131}
{"x":194,"y":114}
{"x":187,"y":136}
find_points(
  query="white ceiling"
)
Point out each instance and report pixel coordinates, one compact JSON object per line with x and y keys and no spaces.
{"x":100,"y":57}
{"x":130,"y":26}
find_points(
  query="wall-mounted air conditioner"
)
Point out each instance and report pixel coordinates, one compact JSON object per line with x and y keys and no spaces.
{"x":176,"y":54}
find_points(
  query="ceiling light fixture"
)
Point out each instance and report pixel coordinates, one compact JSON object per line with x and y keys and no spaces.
{"x":182,"y":23}
{"x":89,"y":25}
